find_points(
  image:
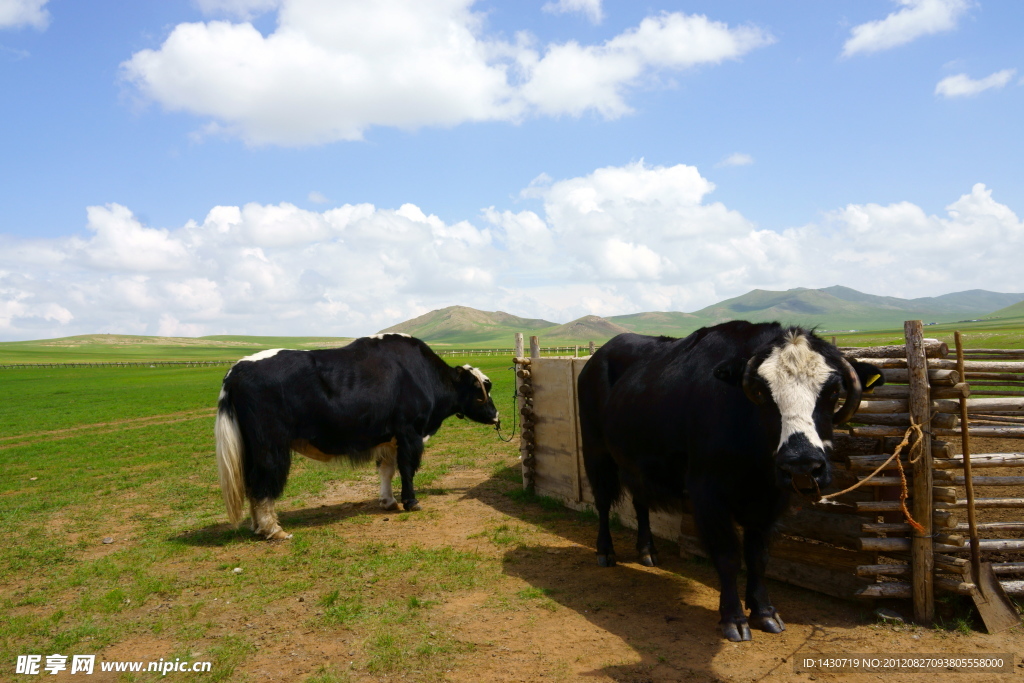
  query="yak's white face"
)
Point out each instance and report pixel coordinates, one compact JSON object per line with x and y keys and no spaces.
{"x":795,"y":373}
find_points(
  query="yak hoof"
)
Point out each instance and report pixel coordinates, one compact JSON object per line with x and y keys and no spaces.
{"x":411,"y":505}
{"x":606,"y":560}
{"x":649,"y":559}
{"x":769,"y":623}
{"x":279,"y":535}
{"x":388,"y":504}
{"x":737,"y":633}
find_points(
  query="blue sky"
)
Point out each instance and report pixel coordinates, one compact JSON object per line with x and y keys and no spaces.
{"x":315,"y":167}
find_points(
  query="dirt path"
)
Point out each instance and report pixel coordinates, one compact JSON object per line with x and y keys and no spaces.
{"x":630,"y":623}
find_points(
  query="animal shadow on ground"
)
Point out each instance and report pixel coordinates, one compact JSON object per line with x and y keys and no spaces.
{"x":668,"y":615}
{"x":216,"y":535}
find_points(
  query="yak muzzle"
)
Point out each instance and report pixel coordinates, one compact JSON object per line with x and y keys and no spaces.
{"x":801,"y":465}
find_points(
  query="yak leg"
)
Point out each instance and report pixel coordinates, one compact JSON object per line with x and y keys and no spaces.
{"x":603,"y":474}
{"x":714,"y":524}
{"x":386,"y":467}
{"x":266,"y":473}
{"x":644,"y":538}
{"x":755,"y":553}
{"x":264,"y":520}
{"x":410,"y":451}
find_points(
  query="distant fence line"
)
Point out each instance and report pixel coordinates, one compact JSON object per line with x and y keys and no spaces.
{"x":447,"y":353}
{"x":544,"y":350}
{"x":119,"y":364}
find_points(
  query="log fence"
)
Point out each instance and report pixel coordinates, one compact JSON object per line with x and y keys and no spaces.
{"x":859,"y":545}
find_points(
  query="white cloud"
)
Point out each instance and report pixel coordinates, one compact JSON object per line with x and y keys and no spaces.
{"x":19,"y":13}
{"x":332,"y":69}
{"x":917,"y":18}
{"x":737,"y":159}
{"x":591,"y":8}
{"x":621,"y":239}
{"x":962,"y":85}
{"x":123,"y":244}
{"x":317,"y":198}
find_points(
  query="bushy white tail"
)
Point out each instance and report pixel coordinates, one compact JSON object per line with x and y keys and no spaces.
{"x":229,"y":464}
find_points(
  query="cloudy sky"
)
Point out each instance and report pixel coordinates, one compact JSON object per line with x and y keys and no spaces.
{"x":332,"y":167}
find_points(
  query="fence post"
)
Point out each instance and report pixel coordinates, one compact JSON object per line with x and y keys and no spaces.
{"x":518,"y":352}
{"x":921,"y":547}
{"x":534,"y":347}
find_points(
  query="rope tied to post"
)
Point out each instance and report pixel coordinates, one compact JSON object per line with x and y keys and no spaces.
{"x":515,"y":412}
{"x":916,"y":451}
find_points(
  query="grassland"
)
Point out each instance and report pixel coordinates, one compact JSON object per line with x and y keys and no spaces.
{"x":127,"y":454}
{"x":114,"y":347}
{"x":1004,"y":333}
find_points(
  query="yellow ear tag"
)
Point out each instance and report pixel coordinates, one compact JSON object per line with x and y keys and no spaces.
{"x":871,"y":381}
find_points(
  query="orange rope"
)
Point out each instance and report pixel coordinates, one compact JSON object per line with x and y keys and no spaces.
{"x":904,"y":494}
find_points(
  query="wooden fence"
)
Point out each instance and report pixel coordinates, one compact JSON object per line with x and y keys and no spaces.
{"x":858,"y":545}
{"x":445,"y":353}
{"x":120,"y":364}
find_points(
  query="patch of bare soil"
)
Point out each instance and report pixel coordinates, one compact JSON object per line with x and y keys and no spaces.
{"x":572,"y":621}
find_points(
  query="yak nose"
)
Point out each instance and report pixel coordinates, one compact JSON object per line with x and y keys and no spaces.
{"x":798,"y":459}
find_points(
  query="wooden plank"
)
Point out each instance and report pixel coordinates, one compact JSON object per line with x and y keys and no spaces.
{"x":581,"y":473}
{"x":920,"y":378}
{"x":1007,"y":503}
{"x":903,"y":391}
{"x":903,"y":419}
{"x":983,"y":460}
{"x":933,"y":349}
{"x":970,"y":366}
{"x":979,"y":405}
{"x":555,"y":428}
{"x":937,"y":377}
{"x":977,"y":481}
{"x":868,"y":463}
{"x":985,"y":431}
{"x":883,"y":570}
{"x":837,"y":529}
{"x":987,"y":545}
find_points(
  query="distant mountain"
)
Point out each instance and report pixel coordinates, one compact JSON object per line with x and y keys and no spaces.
{"x":462,"y":324}
{"x":829,"y":308}
{"x":587,"y":328}
{"x":972,"y":301}
{"x":670,"y":323}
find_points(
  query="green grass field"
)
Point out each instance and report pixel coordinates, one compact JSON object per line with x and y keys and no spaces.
{"x":128,"y":453}
{"x":98,"y":348}
{"x":1007,"y":333}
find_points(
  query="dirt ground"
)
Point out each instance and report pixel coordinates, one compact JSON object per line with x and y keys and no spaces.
{"x":629,"y":623}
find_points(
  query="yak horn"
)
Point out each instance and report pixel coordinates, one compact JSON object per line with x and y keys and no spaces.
{"x":851,"y":382}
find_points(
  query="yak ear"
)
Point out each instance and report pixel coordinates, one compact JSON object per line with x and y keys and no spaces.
{"x":731,"y":371}
{"x":870,"y":376}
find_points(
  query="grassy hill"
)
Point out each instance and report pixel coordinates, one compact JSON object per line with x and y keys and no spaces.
{"x":1014,"y":311}
{"x":671,"y":323}
{"x":587,"y":328}
{"x":834,"y":310}
{"x":463,"y":325}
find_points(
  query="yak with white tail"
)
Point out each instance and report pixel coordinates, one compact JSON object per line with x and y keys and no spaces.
{"x":378,"y":399}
